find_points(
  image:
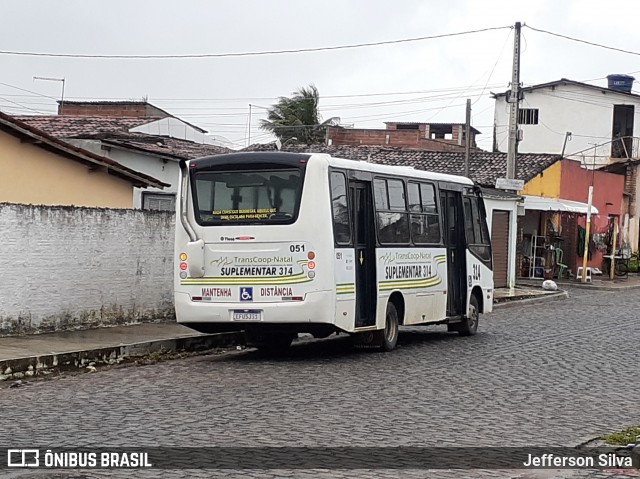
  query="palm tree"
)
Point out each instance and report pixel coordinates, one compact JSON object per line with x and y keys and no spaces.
{"x":297,"y":119}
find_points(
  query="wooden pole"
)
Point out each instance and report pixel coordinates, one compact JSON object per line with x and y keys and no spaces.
{"x":586,"y":236}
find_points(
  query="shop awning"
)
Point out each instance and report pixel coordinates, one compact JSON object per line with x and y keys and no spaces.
{"x":556,"y":204}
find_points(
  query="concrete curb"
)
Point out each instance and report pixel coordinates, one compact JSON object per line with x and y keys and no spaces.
{"x":596,"y":287}
{"x":47,"y":364}
{"x":536,"y":299}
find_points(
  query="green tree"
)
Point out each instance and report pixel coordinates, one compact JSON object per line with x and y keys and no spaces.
{"x":296,"y":119}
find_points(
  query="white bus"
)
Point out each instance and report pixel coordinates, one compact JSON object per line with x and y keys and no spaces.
{"x":275,"y":244}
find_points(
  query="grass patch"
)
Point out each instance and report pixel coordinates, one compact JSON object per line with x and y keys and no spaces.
{"x":628,"y":436}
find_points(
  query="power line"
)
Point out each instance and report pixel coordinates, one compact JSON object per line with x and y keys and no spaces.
{"x":28,"y":91}
{"x":204,"y":111}
{"x":247,"y":54}
{"x":493,"y":69}
{"x":22,"y":106}
{"x":444,"y":91}
{"x":573,"y":39}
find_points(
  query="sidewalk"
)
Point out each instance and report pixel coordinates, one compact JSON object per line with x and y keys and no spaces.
{"x":25,"y":356}
{"x":632,"y":281}
{"x":524,"y":294}
{"x":600,"y":282}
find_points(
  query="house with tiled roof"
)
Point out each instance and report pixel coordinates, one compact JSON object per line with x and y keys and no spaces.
{"x":136,"y":134}
{"x":38,"y":168}
{"x":484,"y":166}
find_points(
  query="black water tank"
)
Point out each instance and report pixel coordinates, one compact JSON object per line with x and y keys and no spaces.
{"x":620,"y":82}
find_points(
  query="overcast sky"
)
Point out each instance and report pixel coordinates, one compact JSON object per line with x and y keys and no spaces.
{"x":215,"y":93}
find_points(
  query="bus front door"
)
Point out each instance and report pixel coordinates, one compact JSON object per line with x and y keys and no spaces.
{"x":364,"y":243}
{"x":451,"y":204}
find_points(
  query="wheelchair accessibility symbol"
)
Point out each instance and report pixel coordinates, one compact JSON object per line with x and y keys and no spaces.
{"x":246,"y":294}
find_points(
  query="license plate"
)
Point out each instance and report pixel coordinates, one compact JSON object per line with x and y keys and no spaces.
{"x":246,"y":315}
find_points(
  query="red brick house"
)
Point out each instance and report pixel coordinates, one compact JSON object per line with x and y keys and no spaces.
{"x":424,"y":136}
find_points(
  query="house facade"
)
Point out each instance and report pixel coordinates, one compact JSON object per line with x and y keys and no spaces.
{"x":555,"y":217}
{"x":597,"y":126}
{"x":568,"y":117}
{"x":40,"y":169}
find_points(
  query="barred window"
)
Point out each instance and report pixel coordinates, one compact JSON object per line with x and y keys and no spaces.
{"x":528,"y":116}
{"x":158,"y":201}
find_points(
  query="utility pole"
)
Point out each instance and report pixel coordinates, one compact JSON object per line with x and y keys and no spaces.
{"x":249,"y":134}
{"x":514,"y":98}
{"x":612,"y":270}
{"x":467,"y":138}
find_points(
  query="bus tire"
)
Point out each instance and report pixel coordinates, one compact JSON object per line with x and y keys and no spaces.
{"x":469,"y":325}
{"x":390,"y":331}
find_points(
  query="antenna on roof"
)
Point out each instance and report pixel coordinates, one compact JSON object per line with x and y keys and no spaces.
{"x":55,"y":79}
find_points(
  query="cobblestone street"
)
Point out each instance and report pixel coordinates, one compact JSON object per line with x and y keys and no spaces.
{"x":551,"y":374}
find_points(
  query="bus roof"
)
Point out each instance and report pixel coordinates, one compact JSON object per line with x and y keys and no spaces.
{"x":391,"y":169}
{"x":287,"y":157}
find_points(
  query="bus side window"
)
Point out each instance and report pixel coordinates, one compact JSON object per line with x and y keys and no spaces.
{"x":391,"y":211}
{"x":477,"y":233}
{"x":341,"y":223}
{"x":425,"y":221}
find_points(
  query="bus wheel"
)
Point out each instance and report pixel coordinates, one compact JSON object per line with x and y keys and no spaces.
{"x":469,"y":325}
{"x":390,"y":331}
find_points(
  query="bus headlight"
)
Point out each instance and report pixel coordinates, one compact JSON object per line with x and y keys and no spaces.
{"x":183,"y":275}
{"x":311,"y":274}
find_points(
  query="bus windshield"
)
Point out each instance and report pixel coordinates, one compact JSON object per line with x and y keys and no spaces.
{"x":258,"y":196}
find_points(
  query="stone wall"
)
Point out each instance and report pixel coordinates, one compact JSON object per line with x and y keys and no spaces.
{"x":74,"y":268}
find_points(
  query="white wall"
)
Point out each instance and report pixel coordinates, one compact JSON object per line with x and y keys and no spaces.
{"x":511,"y":206}
{"x":167,"y":171}
{"x":67,"y":267}
{"x":174,"y":128}
{"x":586,"y":113}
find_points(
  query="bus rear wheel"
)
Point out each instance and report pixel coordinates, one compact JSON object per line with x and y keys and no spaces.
{"x":382,"y":339}
{"x":469,"y":325}
{"x":391,"y":327}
